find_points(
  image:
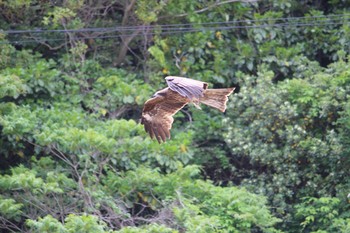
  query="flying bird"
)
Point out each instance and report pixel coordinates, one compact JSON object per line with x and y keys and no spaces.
{"x":157,"y":113}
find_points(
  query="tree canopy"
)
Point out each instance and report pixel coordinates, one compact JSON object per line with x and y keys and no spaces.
{"x":73,"y":79}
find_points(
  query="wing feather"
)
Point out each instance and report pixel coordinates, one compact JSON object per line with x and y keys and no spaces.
{"x":189,"y":88}
{"x":157,"y":114}
{"x":188,"y":91}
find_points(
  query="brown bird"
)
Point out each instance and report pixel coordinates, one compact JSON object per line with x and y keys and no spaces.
{"x":157,"y":113}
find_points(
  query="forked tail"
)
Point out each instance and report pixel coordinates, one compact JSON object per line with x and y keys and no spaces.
{"x":216,"y":98}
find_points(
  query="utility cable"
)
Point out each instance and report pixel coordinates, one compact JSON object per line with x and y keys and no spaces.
{"x":171,"y":29}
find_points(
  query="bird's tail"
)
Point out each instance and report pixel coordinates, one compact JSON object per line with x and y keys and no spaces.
{"x":216,"y":98}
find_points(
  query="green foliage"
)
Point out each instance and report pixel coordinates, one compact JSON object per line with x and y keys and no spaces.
{"x":24,"y":179}
{"x":16,"y":3}
{"x":152,"y":228}
{"x":321,"y":215}
{"x":84,"y":223}
{"x":291,"y":140}
{"x":38,"y":79}
{"x":75,"y":159}
{"x":198,"y":206}
{"x":73,"y":223}
{"x":158,"y":54}
{"x":11,"y":85}
{"x":58,"y":15}
{"x":10,"y":209}
{"x":147,"y":11}
{"x":46,"y":224}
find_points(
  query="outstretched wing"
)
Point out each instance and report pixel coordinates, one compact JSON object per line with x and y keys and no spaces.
{"x":189,"y":88}
{"x":157,"y":113}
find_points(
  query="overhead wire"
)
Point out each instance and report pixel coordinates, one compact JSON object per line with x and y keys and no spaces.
{"x":169,"y":29}
{"x":177,"y":26}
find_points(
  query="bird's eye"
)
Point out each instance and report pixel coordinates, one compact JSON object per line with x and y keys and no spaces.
{"x":170,"y":79}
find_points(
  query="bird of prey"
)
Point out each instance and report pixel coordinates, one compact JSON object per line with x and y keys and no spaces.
{"x":157,"y":113}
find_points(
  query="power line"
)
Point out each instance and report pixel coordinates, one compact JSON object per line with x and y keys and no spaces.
{"x":169,"y":29}
{"x":180,"y":26}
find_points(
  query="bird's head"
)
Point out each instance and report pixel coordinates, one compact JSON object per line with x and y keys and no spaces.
{"x":160,"y":93}
{"x":169,"y":78}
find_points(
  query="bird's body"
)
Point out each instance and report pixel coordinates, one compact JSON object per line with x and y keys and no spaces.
{"x":157,"y":113}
